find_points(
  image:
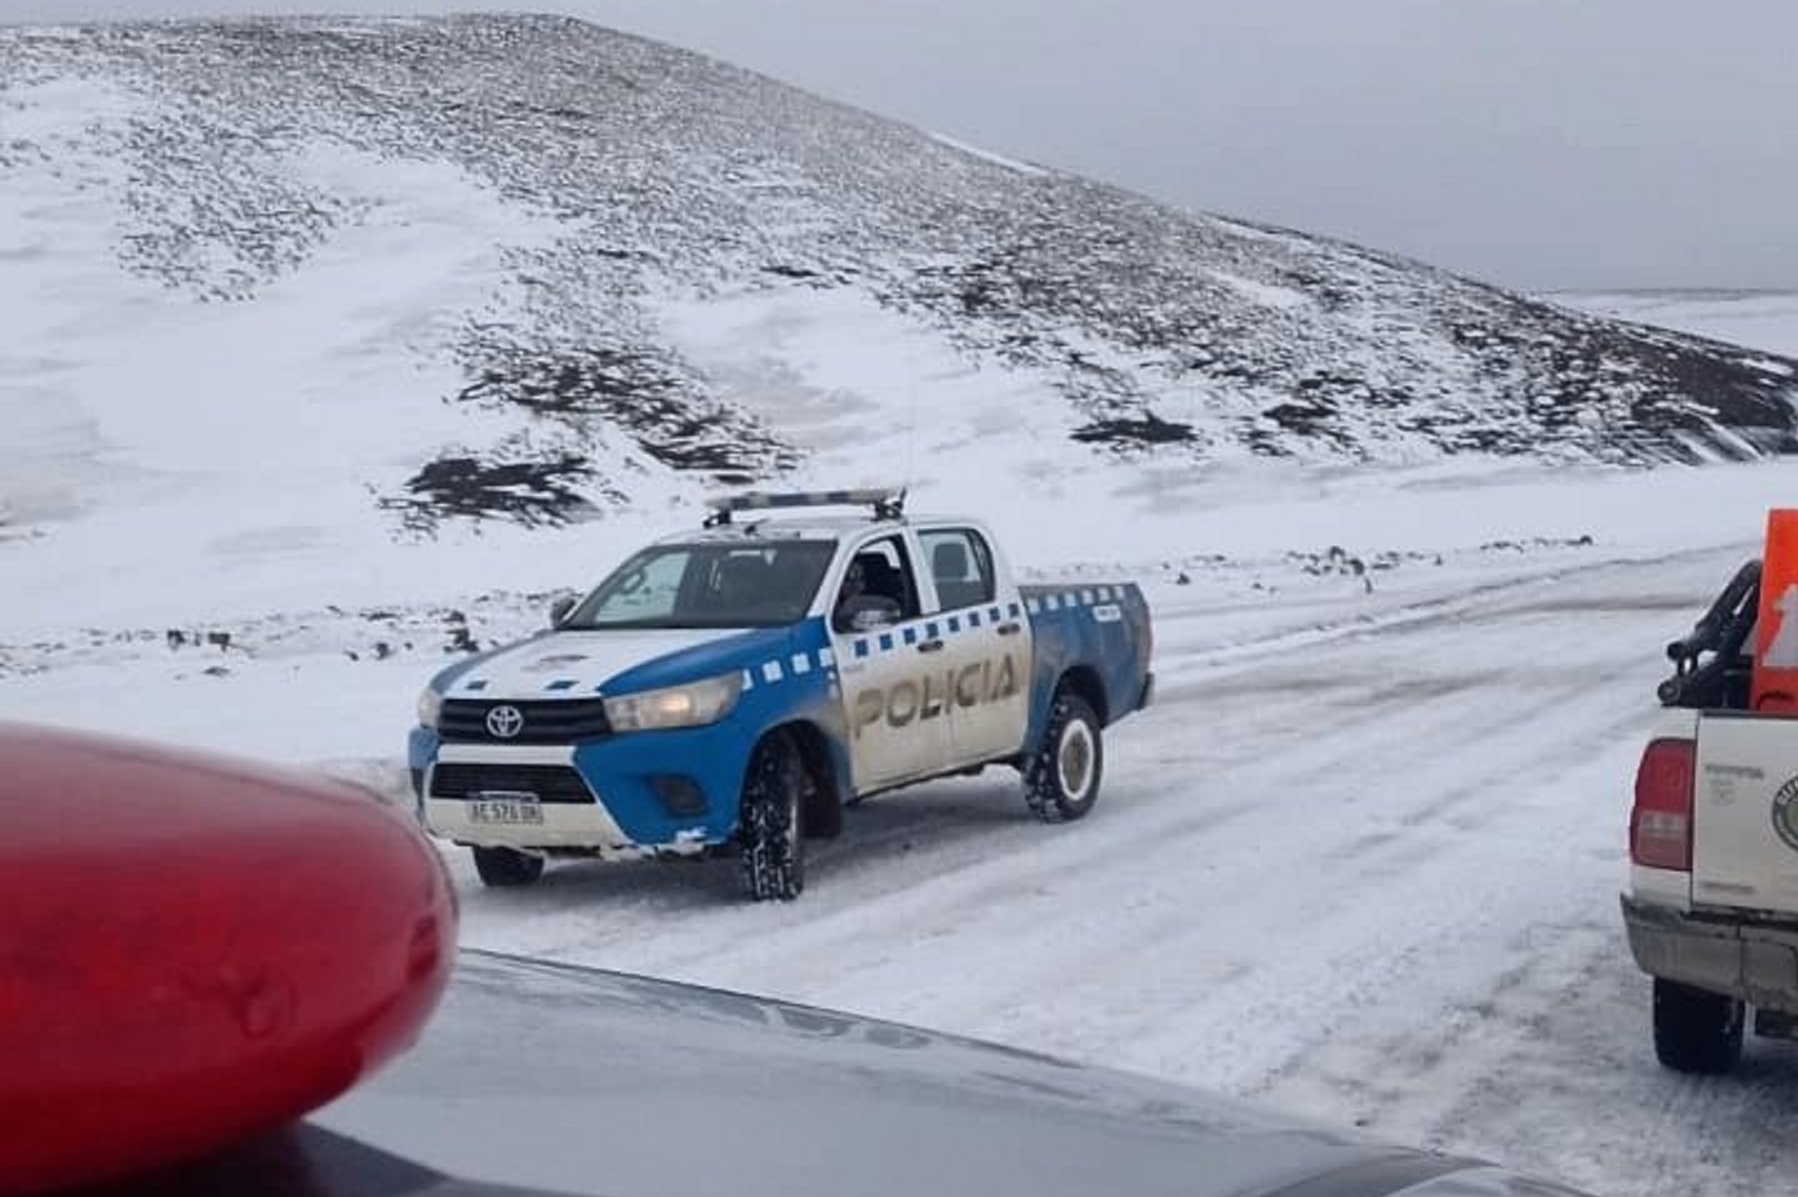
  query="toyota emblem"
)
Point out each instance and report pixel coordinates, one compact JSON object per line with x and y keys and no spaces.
{"x":505,"y":722}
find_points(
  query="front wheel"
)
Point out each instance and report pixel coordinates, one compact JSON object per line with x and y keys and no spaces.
{"x":1061,"y":781}
{"x":507,"y":867}
{"x":1695,"y":1030}
{"x":772,"y":865}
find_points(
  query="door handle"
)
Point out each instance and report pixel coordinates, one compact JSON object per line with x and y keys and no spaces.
{"x":931,"y":646}
{"x":1010,"y":629}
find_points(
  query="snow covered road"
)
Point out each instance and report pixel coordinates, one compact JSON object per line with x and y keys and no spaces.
{"x":1367,"y":872}
{"x":1361,"y":859}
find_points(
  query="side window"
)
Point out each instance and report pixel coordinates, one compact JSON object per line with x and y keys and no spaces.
{"x":879,"y":577}
{"x":961,"y":565}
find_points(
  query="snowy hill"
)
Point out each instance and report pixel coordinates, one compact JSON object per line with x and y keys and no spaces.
{"x":533,"y":270}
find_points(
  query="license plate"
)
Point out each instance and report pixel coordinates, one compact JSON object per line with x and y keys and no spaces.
{"x":504,"y":807}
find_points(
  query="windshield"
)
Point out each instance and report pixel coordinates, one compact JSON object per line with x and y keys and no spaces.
{"x":709,"y":586}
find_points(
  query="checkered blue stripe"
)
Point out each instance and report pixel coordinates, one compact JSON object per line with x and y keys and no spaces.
{"x":775,"y":670}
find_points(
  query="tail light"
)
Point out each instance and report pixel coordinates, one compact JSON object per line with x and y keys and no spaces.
{"x":1660,"y":822}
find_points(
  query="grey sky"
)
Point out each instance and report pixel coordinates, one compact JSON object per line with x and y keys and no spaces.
{"x":1535,"y":143}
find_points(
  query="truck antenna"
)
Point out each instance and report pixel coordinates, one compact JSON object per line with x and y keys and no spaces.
{"x":911,"y":434}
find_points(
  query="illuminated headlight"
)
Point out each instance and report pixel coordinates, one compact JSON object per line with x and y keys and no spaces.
{"x":692,"y":705}
{"x":430,"y":706}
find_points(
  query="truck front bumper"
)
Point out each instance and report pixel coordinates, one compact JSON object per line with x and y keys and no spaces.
{"x":621,"y":798}
{"x":1756,"y":961}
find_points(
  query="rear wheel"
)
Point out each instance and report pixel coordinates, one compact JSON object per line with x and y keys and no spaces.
{"x":1061,"y":782}
{"x":506,"y":867}
{"x":1696,"y":1030}
{"x":772,"y":865}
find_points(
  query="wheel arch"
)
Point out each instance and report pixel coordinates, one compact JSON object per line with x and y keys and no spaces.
{"x":1084,"y":680}
{"x":823,"y":811}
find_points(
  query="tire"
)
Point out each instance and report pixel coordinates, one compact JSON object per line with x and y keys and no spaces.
{"x":1696,"y":1031}
{"x":1061,"y":781}
{"x":772,"y":860}
{"x":505,"y":868}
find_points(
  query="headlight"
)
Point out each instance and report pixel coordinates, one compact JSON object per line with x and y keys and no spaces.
{"x":691,"y":705}
{"x":430,"y":706}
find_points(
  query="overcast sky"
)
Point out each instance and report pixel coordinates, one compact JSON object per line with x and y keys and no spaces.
{"x":1536,"y":143}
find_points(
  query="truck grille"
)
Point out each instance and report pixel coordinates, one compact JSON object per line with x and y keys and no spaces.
{"x":462,"y":780}
{"x":556,"y":721}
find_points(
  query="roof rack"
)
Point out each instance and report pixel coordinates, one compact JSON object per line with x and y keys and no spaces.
{"x":888,"y":503}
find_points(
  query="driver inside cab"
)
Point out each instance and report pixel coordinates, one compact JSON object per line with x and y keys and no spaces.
{"x":857,"y":607}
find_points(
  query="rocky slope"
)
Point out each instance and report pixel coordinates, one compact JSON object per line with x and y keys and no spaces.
{"x":643,"y":175}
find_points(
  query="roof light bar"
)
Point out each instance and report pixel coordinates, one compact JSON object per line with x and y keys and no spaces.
{"x":888,"y":503}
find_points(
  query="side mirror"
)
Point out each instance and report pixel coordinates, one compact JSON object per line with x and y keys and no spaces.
{"x":866,"y":613}
{"x":871,"y":620}
{"x":558,"y":610}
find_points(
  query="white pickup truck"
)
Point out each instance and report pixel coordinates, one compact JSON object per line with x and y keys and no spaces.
{"x":730,"y":689}
{"x":1712,"y":905}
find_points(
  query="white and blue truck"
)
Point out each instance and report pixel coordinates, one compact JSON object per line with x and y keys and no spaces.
{"x":731,"y":689}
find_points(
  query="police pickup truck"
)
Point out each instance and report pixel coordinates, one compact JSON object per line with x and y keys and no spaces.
{"x":731,"y":689}
{"x":1712,"y":905}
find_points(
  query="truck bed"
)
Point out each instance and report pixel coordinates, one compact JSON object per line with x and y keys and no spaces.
{"x":1104,"y":622}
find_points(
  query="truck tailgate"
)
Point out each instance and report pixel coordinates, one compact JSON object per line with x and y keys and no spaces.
{"x":1745,"y":817}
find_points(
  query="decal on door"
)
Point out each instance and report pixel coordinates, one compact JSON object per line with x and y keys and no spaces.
{"x":912,"y":699}
{"x":1785,"y":813}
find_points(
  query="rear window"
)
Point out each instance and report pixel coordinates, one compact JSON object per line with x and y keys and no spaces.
{"x":960,"y":564}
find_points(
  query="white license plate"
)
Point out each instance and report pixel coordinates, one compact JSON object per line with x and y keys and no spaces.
{"x":495,"y":807}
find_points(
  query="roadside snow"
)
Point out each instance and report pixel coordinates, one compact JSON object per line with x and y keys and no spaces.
{"x":1360,"y":861}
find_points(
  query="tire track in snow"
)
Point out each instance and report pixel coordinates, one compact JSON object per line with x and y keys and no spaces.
{"x":1552,"y":1072}
{"x":966,"y":871}
{"x":1406,"y":861}
{"x":925,"y":882}
{"x":1372,"y":879}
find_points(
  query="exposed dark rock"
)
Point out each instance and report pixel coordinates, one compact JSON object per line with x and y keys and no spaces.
{"x":534,"y":493}
{"x":1147,"y":429}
